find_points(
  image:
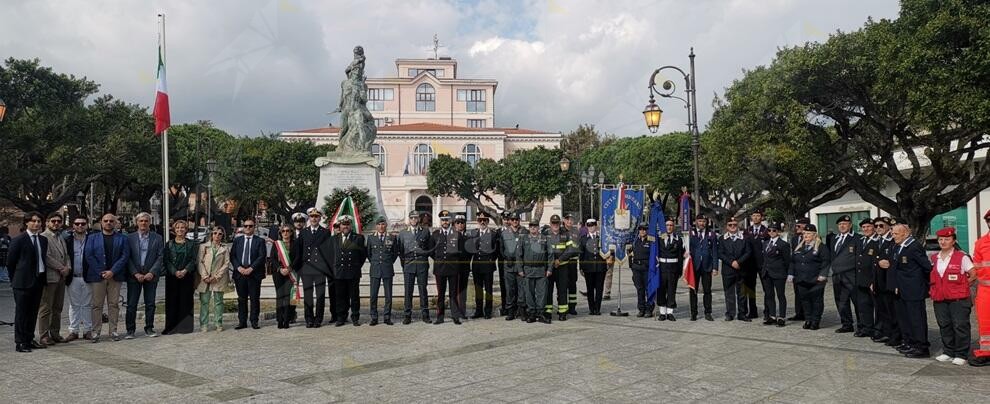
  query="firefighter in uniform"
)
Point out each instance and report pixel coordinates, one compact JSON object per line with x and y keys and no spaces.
{"x":639,"y":263}
{"x":670,"y":258}
{"x":572,"y":271}
{"x":383,"y":249}
{"x":414,"y":242}
{"x":981,"y":275}
{"x":484,"y":242}
{"x":562,"y":252}
{"x":537,"y":264}
{"x":511,"y":258}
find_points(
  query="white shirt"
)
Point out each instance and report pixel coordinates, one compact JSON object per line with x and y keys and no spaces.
{"x":943,"y":263}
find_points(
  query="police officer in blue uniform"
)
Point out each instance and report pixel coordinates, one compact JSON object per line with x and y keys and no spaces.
{"x":383,"y":249}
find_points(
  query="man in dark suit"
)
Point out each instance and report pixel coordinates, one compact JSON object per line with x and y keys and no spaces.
{"x":485,"y":247}
{"x":844,"y":247}
{"x":446,"y":247}
{"x":247,"y":257}
{"x":756,"y":234}
{"x":884,"y":285}
{"x":143,"y":271}
{"x":349,"y":253}
{"x":733,"y":250}
{"x":866,"y":264}
{"x":775,"y":261}
{"x":383,"y":250}
{"x":311,"y":259}
{"x":26,"y":264}
{"x":911,"y":268}
{"x":704,"y":256}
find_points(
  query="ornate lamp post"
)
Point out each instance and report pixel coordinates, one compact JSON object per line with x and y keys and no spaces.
{"x":652,"y":113}
{"x":587,"y":180}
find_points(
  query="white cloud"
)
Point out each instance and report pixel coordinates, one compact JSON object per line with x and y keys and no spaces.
{"x":270,"y":65}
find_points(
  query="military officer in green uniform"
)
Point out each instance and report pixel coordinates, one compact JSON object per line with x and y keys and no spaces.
{"x":536,"y":268}
{"x":511,"y":258}
{"x":383,"y":249}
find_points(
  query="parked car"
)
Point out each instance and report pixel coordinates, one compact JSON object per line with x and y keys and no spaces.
{"x":198,"y":234}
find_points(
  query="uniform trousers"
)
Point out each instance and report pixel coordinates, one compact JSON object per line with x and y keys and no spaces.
{"x":704,"y":280}
{"x":572,"y":275}
{"x":982,"y":312}
{"x":558,"y":279}
{"x":844,"y":288}
{"x":50,"y":309}
{"x":513,"y":292}
{"x":639,"y":281}
{"x":503,"y":306}
{"x":668,"y":285}
{"x":749,"y":277}
{"x":80,"y":306}
{"x":812,"y":297}
{"x":483,"y":274}
{"x":535,"y":290}
{"x":953,"y":326}
{"x":732,"y":282}
{"x":348,"y":297}
{"x":913,"y":320}
{"x":887,"y":322}
{"x":773,"y":292}
{"x":313,"y":308}
{"x":462,"y":286}
{"x":798,"y":308}
{"x":865,"y":311}
{"x":595,"y":283}
{"x":376,"y":284}
{"x":445,"y":282}
{"x":411,"y":280}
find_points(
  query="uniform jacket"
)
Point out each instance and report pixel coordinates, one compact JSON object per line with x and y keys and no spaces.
{"x":704,"y":249}
{"x":484,"y":249}
{"x":885,"y":277}
{"x":97,"y":260}
{"x":413,"y":245}
{"x":382,"y":254}
{"x":152,"y":260}
{"x":671,"y":246}
{"x":448,"y":252}
{"x":640,"y":257}
{"x":511,"y":248}
{"x":56,"y":257}
{"x":349,"y":254}
{"x":866,"y":261}
{"x":563,"y":245}
{"x":589,"y":250}
{"x":844,"y":255}
{"x":776,"y":259}
{"x":911,"y":267}
{"x":536,"y":255}
{"x":22,"y":261}
{"x":757,"y":237}
{"x":807,"y":264}
{"x":311,"y":252}
{"x":258,"y":256}
{"x":730,"y":249}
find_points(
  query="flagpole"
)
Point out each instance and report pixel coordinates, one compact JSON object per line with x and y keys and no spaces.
{"x":165,"y":188}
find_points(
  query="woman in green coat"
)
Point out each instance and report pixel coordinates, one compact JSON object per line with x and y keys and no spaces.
{"x":180,"y":281}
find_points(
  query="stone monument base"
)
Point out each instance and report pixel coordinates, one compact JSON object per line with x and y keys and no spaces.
{"x":338,"y":170}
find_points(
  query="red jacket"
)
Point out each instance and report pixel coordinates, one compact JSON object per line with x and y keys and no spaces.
{"x":953,"y":283}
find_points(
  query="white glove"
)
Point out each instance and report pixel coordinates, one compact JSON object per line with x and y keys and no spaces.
{"x":790,"y":278}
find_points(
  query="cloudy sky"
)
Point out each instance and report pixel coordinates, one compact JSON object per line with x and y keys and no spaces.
{"x":264,"y":66}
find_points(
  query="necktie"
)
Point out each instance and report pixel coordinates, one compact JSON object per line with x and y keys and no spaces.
{"x":382,"y":238}
{"x":247,"y":251}
{"x":37,"y":249}
{"x":769,"y":245}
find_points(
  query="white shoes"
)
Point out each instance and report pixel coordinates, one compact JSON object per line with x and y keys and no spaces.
{"x":959,"y":361}
{"x":943,"y":358}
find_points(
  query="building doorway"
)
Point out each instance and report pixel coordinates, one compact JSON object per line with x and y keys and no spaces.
{"x":424,"y":204}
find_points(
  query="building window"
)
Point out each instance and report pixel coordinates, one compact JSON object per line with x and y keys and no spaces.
{"x":377,"y":98}
{"x":379,"y":152}
{"x":476,"y":123}
{"x":422,"y":156}
{"x":426,"y":98}
{"x":474,"y":99}
{"x":471,"y":153}
{"x":381,"y":122}
{"x":434,"y":72}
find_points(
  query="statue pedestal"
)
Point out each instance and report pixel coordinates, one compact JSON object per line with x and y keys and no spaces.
{"x":344,"y":171}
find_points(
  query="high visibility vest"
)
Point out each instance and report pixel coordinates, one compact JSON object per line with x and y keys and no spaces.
{"x":953,"y":283}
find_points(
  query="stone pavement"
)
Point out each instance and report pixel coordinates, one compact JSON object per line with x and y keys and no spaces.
{"x":585,"y":359}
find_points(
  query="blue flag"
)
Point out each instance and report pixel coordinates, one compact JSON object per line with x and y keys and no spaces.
{"x":621,"y":212}
{"x":658,"y":225}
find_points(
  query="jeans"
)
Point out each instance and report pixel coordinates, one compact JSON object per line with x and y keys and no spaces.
{"x":205,"y":298}
{"x":134,"y":291}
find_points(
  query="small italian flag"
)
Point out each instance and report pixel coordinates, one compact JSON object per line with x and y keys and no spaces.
{"x":162,"y":119}
{"x":347,"y":207}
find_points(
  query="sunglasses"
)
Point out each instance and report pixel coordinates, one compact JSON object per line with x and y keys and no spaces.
{"x":108,"y":221}
{"x":218,"y":232}
{"x":249,"y":226}
{"x":79,"y":224}
{"x":55,"y":221}
{"x":285,"y":231}
{"x":731,"y":225}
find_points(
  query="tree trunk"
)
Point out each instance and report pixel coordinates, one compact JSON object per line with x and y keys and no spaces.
{"x":538,"y":210}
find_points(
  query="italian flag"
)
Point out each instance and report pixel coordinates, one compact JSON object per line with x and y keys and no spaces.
{"x":347,"y":207}
{"x":162,"y":120}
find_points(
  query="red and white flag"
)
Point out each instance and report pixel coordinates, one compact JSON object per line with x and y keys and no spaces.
{"x":162,"y":119}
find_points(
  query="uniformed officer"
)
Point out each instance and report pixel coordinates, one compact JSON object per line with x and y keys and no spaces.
{"x":809,"y":271}
{"x":756,"y":234}
{"x":537,"y":266}
{"x":795,"y":239}
{"x":733,"y":250}
{"x":500,"y":266}
{"x":704,"y":256}
{"x":563,"y":251}
{"x":299,"y":223}
{"x":776,"y":260}
{"x":484,"y":243}
{"x":446,"y":246}
{"x":670,"y":258}
{"x":866,"y":264}
{"x":312,"y":260}
{"x":383,"y":249}
{"x":844,"y":247}
{"x":593,"y":266}
{"x":639,"y":263}
{"x":511,"y":259}
{"x":414,"y":241}
{"x":884,"y":286}
{"x":572,"y":271}
{"x":911,"y":267}
{"x":463,"y":277}
{"x":350,"y":252}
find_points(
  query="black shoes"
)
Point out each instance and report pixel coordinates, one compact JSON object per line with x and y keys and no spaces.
{"x":426,"y":319}
{"x":694,"y":317}
{"x":531,"y":319}
{"x":641,"y":314}
{"x":457,"y":320}
{"x":807,"y":325}
{"x":439,"y":320}
{"x":670,"y":317}
{"x":355,"y":322}
{"x":796,"y":318}
{"x":917,"y":353}
{"x":880,"y":339}
{"x":255,"y":326}
{"x":373,"y":322}
{"x":745,"y":318}
{"x":339,"y":324}
{"x":406,"y":320}
{"x":240,"y":327}
{"x":572,"y":311}
{"x":510,"y":317}
{"x":769,"y":321}
{"x":562,"y":316}
{"x":780,"y":322}
{"x":477,"y":315}
{"x":27,"y":348}
{"x":979,"y":361}
{"x":708,"y":316}
{"x":663,"y":317}
{"x":388,"y":321}
{"x":844,"y":329}
{"x":814,"y":326}
{"x":729,"y":318}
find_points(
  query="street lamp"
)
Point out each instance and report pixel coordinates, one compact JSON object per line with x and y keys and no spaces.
{"x":3,"y":109}
{"x":156,"y":205}
{"x":653,"y":113}
{"x":565,"y":164}
{"x":80,"y":197}
{"x":211,"y":169}
{"x":587,"y":179}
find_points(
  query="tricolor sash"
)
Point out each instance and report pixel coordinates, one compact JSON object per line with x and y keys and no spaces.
{"x":282,"y":251}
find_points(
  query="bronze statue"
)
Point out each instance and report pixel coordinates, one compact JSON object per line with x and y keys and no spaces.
{"x":357,"y":126}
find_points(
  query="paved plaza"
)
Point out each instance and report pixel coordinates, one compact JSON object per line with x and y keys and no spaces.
{"x":584,"y":359}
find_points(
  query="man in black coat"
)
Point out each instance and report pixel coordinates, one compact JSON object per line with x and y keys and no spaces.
{"x":756,"y":234}
{"x":884,"y":285}
{"x":911,"y":268}
{"x":670,"y":259}
{"x":447,"y":247}
{"x":311,"y":260}
{"x":775,"y":262}
{"x":639,"y":263}
{"x":844,"y":247}
{"x":26,"y":265}
{"x":734,"y":250}
{"x":484,"y":243}
{"x":349,"y":252}
{"x":247,"y":256}
{"x":866,"y":264}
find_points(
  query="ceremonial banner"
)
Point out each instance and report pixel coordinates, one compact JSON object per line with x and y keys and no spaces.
{"x":658,"y":226}
{"x":622,"y":209}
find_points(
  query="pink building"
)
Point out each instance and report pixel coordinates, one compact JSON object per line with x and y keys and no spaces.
{"x":428,"y":110}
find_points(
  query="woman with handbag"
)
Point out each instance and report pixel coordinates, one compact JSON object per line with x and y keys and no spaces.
{"x":214,"y":270}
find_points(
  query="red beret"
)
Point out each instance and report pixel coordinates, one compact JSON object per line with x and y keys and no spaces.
{"x":946,"y":232}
